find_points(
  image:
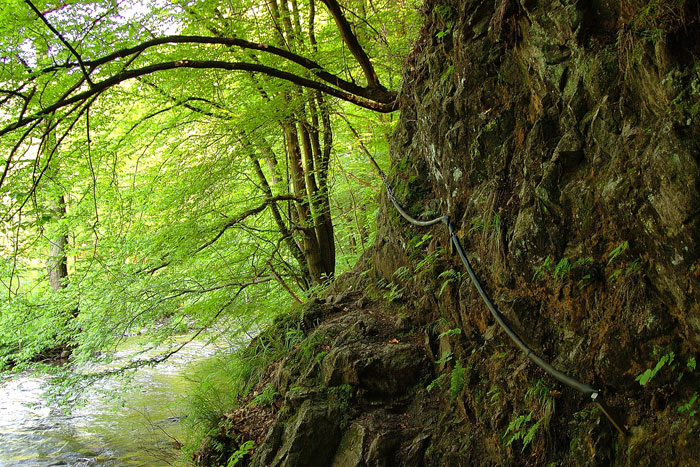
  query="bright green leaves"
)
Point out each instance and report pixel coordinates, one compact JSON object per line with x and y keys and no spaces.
{"x":525,"y":426}
{"x":649,"y":373}
{"x":169,"y":226}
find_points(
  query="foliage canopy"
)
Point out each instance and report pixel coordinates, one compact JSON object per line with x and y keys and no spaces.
{"x":202,"y":160}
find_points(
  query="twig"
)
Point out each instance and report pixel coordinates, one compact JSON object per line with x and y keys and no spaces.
{"x":283,"y":283}
{"x":62,"y":39}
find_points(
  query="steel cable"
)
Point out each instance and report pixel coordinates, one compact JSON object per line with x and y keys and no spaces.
{"x":455,"y":244}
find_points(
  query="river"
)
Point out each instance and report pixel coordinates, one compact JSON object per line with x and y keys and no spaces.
{"x":139,"y":428}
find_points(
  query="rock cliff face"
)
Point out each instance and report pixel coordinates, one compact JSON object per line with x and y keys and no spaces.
{"x":563,"y":139}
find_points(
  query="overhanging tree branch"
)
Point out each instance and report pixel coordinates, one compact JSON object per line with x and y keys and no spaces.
{"x":283,"y":283}
{"x":12,"y":93}
{"x":230,"y":223}
{"x":81,"y":110}
{"x":184,"y":102}
{"x":239,"y":218}
{"x":8,"y":162}
{"x":90,"y":378}
{"x":126,"y":75}
{"x":374,"y":92}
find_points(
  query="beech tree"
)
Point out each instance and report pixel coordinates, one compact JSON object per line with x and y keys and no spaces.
{"x":196,"y":146}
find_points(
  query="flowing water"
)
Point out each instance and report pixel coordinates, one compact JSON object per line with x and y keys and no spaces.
{"x":141,"y":428}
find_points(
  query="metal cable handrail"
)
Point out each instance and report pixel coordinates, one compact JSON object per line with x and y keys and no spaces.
{"x":456,"y":244}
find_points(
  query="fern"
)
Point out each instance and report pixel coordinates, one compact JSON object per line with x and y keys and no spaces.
{"x":457,"y":380}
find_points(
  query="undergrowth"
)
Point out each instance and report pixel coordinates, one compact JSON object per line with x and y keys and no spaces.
{"x":221,"y":384}
{"x":525,"y":426}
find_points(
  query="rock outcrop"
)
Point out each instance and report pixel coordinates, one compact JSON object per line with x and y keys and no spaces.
{"x":351,"y":393}
{"x":563,"y":139}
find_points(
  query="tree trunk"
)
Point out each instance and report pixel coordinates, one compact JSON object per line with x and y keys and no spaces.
{"x":312,"y":252}
{"x":315,"y":176}
{"x":304,"y":280}
{"x":57,"y":264}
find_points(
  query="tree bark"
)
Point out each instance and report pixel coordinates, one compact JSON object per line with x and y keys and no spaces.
{"x":57,"y":264}
{"x":311,"y":248}
{"x":353,"y":44}
{"x":317,"y":174}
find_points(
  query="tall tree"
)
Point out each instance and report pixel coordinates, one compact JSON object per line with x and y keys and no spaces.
{"x":197,"y":139}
